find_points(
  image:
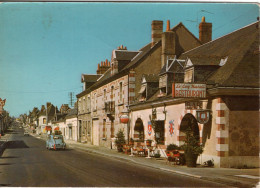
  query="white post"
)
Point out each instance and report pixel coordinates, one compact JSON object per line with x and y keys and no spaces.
{"x":131,"y":152}
{"x":148,"y":157}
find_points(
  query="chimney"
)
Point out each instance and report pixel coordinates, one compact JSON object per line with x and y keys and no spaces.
{"x":205,"y":31}
{"x":103,"y":67}
{"x":168,"y":44}
{"x":157,"y":29}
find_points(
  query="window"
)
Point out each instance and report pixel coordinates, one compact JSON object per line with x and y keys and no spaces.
{"x":104,"y":128}
{"x":112,"y":93}
{"x":112,"y":129}
{"x":44,"y":120}
{"x":121,"y":92}
{"x":188,"y":77}
{"x":95,"y":102}
{"x":105,"y":93}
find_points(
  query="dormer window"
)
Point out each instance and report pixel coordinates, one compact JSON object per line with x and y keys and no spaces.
{"x":162,"y":85}
{"x":143,"y":93}
{"x":189,"y":75}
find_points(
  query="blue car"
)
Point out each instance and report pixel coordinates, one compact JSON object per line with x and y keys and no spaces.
{"x":55,"y":142}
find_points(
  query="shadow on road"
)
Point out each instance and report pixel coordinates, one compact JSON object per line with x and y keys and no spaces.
{"x":5,"y":184}
{"x":9,"y":157}
{"x":6,"y":164}
{"x":16,"y":144}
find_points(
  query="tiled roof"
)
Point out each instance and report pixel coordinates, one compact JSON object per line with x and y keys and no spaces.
{"x":151,"y":77}
{"x":72,"y":112}
{"x":125,"y":54}
{"x":241,"y":48}
{"x":90,"y":77}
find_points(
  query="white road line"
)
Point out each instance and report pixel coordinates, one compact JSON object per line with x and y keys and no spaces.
{"x":183,"y":173}
{"x":248,"y":176}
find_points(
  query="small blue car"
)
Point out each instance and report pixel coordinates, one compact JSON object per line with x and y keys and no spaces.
{"x":55,"y":142}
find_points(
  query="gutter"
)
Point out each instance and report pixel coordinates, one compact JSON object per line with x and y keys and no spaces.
{"x":235,"y":91}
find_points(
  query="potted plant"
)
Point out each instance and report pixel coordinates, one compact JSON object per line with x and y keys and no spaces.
{"x":131,"y":141}
{"x":120,"y":140}
{"x":192,"y":148}
{"x":172,"y":147}
{"x":148,"y":143}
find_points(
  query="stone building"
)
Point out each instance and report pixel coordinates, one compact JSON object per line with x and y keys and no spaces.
{"x":108,"y":94}
{"x":214,"y":89}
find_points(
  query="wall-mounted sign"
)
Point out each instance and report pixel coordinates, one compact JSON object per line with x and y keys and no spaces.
{"x":149,"y":128}
{"x":2,"y":103}
{"x":193,"y":105}
{"x":202,"y":116}
{"x":186,"y":90}
{"x":124,"y":118}
{"x":171,"y":127}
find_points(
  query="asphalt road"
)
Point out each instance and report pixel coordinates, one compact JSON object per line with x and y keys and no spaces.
{"x":27,"y":163}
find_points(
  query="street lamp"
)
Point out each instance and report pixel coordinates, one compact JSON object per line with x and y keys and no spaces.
{"x":125,"y":119}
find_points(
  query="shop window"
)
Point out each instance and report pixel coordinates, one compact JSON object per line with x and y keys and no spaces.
{"x":159,"y":132}
{"x":139,"y":130}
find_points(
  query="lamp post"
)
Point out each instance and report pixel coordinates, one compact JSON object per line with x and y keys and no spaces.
{"x":125,"y":119}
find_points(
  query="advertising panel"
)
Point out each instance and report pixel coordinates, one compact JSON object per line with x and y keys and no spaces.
{"x":187,"y":90}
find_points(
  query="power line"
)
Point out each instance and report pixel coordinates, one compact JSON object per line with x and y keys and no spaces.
{"x":7,"y":91}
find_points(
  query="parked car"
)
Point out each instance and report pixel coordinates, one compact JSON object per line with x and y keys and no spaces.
{"x":55,"y":142}
{"x":26,"y":133}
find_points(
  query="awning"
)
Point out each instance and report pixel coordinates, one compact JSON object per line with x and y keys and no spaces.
{"x":56,"y":128}
{"x":143,"y":88}
{"x":48,"y":128}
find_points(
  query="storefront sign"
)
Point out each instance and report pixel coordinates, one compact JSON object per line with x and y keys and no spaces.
{"x":193,"y":105}
{"x":202,"y":116}
{"x":184,"y":90}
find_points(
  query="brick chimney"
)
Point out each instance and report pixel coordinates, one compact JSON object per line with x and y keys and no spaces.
{"x":205,"y":31}
{"x":157,"y":29}
{"x":168,"y":44}
{"x":103,"y":67}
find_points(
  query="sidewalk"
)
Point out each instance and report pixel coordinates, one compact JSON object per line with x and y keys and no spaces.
{"x":228,"y":176}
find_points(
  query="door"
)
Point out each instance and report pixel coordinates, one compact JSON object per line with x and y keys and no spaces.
{"x":95,"y":133}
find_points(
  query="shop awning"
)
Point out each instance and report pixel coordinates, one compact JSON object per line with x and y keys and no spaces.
{"x":143,"y":88}
{"x":56,"y":128}
{"x":48,"y":128}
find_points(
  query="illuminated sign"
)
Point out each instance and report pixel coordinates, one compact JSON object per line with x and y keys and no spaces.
{"x":186,"y":90}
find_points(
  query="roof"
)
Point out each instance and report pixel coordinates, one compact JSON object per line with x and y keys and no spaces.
{"x":124,"y":54}
{"x":241,"y":48}
{"x":151,"y":77}
{"x":138,"y":56}
{"x":73,"y":112}
{"x":90,"y":77}
{"x":173,"y":65}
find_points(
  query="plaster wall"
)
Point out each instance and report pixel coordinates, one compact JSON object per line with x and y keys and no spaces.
{"x":73,"y":122}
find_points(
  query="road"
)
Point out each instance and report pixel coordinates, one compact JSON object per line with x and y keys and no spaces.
{"x":26,"y":162}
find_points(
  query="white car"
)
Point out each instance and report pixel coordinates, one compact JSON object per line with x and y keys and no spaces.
{"x":26,"y":133}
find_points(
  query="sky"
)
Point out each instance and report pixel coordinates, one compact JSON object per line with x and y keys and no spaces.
{"x":46,"y":46}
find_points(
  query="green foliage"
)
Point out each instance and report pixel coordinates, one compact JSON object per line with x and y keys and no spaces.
{"x":172,"y":147}
{"x":192,"y":145}
{"x":120,"y":139}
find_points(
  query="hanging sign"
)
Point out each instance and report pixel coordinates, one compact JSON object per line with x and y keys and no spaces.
{"x":186,"y":90}
{"x":149,"y":128}
{"x":2,"y":103}
{"x":171,"y":127}
{"x":202,"y":116}
{"x":192,"y":105}
{"x":124,"y":118}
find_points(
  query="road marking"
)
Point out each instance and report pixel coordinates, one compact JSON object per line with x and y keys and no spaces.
{"x":248,"y":176}
{"x":179,"y":172}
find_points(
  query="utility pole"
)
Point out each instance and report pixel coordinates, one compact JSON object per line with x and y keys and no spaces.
{"x":71,"y":99}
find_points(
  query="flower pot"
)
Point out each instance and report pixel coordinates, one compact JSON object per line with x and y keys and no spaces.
{"x":148,"y":143}
{"x":191,"y":159}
